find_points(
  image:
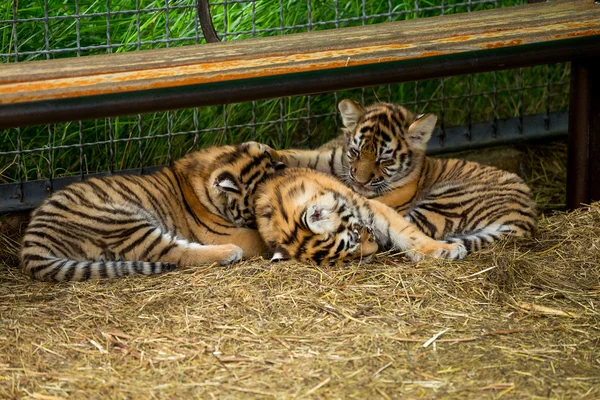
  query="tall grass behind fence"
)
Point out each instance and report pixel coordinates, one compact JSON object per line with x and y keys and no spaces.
{"x":47,"y":29}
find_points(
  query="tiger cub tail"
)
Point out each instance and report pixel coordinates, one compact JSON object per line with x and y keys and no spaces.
{"x":477,"y":240}
{"x":64,"y":269}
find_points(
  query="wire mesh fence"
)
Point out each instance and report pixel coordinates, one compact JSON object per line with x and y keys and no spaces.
{"x":471,"y":108}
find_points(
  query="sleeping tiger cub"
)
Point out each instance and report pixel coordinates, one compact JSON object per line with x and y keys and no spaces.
{"x":202,"y":210}
{"x":383,"y":157}
{"x":187,"y":214}
{"x":310,"y":216}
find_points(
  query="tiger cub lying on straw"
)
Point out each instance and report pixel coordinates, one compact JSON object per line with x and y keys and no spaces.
{"x":383,"y":157}
{"x":310,"y":216}
{"x":191,"y":213}
{"x":197,"y":211}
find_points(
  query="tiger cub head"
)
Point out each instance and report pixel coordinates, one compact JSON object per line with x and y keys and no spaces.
{"x":384,"y":145}
{"x":225,"y":178}
{"x":324,"y":228}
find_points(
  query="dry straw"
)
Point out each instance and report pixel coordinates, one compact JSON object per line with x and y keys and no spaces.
{"x":520,"y":320}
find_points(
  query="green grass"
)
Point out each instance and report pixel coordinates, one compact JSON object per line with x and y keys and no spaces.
{"x":280,"y":122}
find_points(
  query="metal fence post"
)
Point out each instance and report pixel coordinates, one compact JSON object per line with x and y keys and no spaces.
{"x":583,"y":164}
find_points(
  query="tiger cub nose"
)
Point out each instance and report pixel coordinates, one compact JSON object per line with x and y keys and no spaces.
{"x":363,"y":180}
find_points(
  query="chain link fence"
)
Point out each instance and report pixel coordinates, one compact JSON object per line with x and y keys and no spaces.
{"x":473,"y":110}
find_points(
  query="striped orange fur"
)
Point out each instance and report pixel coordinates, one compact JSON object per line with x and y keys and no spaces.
{"x":310,"y":216}
{"x":195,"y":212}
{"x":383,"y":158}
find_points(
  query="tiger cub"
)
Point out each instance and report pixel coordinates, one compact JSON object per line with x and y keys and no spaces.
{"x":187,"y":214}
{"x":383,"y":157}
{"x":310,"y":216}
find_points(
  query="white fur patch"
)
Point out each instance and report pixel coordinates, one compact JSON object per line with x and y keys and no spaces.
{"x":318,"y":219}
{"x":228,"y":184}
{"x":277,"y":257}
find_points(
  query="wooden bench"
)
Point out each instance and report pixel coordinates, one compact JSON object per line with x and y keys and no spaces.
{"x":216,"y":73}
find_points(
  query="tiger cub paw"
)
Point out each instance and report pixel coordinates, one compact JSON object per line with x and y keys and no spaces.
{"x":415,"y":256}
{"x":446,"y":251}
{"x":451,"y":251}
{"x":230,"y":254}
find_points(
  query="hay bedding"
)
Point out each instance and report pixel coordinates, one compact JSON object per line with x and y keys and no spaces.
{"x":517,"y":321}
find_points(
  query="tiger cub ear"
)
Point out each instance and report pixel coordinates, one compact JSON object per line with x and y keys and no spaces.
{"x":318,"y":219}
{"x":227,"y":183}
{"x":351,"y":112}
{"x":419,"y":132}
{"x":280,"y":254}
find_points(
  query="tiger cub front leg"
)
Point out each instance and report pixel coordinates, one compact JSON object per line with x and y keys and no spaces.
{"x":223,"y":254}
{"x":168,"y":248}
{"x":394,"y":230}
{"x":246,"y":239}
{"x":250,"y":241}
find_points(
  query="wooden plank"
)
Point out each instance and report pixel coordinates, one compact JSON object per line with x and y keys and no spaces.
{"x":440,"y":38}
